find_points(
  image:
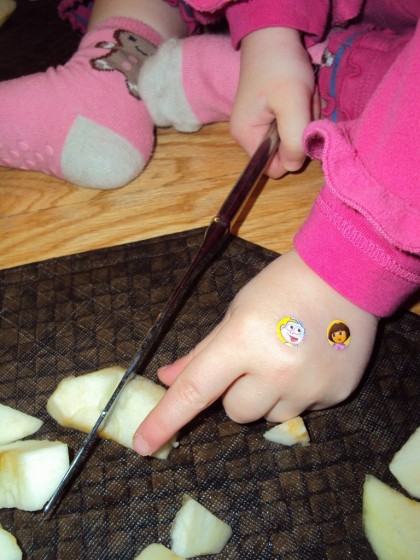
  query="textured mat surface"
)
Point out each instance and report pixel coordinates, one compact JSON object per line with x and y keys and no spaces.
{"x":80,"y":313}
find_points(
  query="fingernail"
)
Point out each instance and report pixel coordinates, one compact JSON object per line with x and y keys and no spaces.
{"x":293,"y":165}
{"x":141,"y":446}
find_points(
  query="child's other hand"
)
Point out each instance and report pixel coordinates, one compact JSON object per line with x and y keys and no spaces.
{"x":276,"y":82}
{"x":244,"y":359}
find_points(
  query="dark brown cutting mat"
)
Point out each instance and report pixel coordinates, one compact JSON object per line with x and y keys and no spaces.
{"x":81,"y":313}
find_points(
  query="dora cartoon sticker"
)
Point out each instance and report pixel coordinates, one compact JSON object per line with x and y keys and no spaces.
{"x":338,"y":334}
{"x":291,"y":331}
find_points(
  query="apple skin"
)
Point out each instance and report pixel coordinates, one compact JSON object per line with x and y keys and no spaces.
{"x":15,"y":425}
{"x":30,"y":471}
{"x":78,"y":402}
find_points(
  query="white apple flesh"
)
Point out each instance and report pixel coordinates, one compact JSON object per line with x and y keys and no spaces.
{"x":15,"y":424}
{"x":292,"y":432}
{"x":391,"y":521}
{"x":405,"y":465}
{"x":197,"y":532}
{"x":30,"y":471}
{"x":78,"y":401}
{"x":9,"y":548}
{"x":157,"y":551}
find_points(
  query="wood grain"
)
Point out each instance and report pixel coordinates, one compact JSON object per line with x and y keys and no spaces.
{"x":183,"y":186}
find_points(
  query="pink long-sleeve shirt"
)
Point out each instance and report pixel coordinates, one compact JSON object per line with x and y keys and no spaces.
{"x":363,"y":233}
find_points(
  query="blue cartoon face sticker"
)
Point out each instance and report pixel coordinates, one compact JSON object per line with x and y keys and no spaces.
{"x":291,"y":331}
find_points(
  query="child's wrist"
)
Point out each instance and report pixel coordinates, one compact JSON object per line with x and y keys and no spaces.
{"x":273,"y":37}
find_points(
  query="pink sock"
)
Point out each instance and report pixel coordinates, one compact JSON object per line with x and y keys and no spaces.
{"x":83,"y":122}
{"x":191,"y":82}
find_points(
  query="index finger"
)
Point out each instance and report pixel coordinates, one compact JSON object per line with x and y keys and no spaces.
{"x":202,"y":382}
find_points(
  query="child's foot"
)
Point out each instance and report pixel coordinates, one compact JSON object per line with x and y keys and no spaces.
{"x":85,"y":121}
{"x":191,"y":82}
{"x":288,"y":343}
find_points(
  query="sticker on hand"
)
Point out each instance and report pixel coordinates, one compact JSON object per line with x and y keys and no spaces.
{"x":291,"y":331}
{"x":338,"y":334}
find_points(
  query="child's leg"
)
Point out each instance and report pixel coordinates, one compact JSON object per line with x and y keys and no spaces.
{"x":191,"y":82}
{"x":157,"y":14}
{"x":85,"y":121}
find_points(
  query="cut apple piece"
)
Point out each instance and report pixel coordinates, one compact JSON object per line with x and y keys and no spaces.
{"x":16,"y":425}
{"x":391,"y":521}
{"x":157,"y":551}
{"x":9,"y":547}
{"x":291,"y":432}
{"x":405,"y":465}
{"x":30,"y":471}
{"x":197,"y":532}
{"x":78,"y":401}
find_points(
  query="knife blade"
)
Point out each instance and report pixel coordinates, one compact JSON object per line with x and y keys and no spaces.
{"x":214,"y":236}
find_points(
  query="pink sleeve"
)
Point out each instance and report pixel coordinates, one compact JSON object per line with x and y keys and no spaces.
{"x":311,"y":17}
{"x":363,"y":235}
{"x":245,"y":17}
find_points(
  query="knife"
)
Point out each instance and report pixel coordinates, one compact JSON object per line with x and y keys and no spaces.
{"x":214,"y":236}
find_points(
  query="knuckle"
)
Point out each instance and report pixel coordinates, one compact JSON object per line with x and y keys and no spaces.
{"x":249,"y":324}
{"x":237,"y":415}
{"x":189,"y":393}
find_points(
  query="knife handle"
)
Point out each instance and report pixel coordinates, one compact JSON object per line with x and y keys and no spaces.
{"x":250,"y":175}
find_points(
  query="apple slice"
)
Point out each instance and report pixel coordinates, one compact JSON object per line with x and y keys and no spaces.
{"x":16,"y":425}
{"x":197,"y":532}
{"x":157,"y":551}
{"x":291,"y":432}
{"x":405,"y":465}
{"x":30,"y":471}
{"x":391,"y":521}
{"x":78,"y":401}
{"x":8,"y":546}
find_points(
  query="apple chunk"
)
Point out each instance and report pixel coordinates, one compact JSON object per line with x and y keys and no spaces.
{"x":291,"y":432}
{"x":391,"y":521}
{"x":15,"y":424}
{"x":30,"y":471}
{"x":157,"y":551}
{"x":197,"y":532}
{"x":405,"y":465}
{"x":78,"y":401}
{"x":8,"y":546}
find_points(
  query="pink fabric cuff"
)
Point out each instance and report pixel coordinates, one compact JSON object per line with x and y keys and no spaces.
{"x":133,"y":26}
{"x":245,"y":17}
{"x":341,"y":246}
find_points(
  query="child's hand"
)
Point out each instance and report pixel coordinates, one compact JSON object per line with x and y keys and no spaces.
{"x":276,"y":82}
{"x":245,"y":360}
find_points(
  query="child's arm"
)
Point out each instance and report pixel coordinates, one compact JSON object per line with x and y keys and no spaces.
{"x":276,"y":82}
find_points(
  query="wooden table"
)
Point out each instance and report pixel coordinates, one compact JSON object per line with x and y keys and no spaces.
{"x":182,"y":188}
